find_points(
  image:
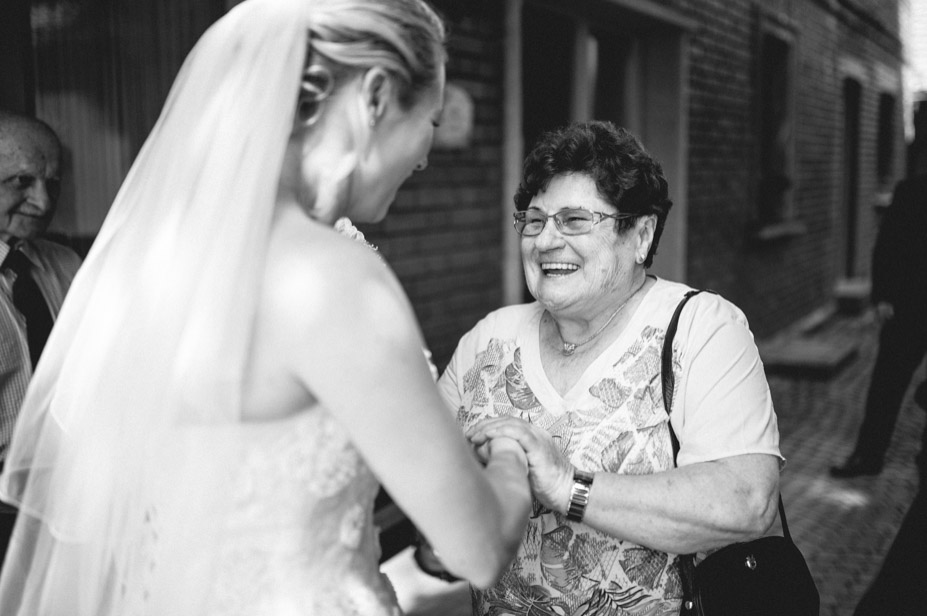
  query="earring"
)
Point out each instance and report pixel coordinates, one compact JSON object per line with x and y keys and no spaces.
{"x":309,"y":112}
{"x":316,"y":85}
{"x":640,"y":259}
{"x":372,"y":121}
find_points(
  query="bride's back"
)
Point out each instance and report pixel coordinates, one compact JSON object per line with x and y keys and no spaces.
{"x":300,"y":538}
{"x":301,"y":528}
{"x":312,"y":275}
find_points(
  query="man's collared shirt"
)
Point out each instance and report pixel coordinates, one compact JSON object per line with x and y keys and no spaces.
{"x":54,"y":267}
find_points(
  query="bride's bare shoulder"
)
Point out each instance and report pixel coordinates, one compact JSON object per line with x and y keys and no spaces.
{"x":306,"y":243}
{"x":313,"y":271}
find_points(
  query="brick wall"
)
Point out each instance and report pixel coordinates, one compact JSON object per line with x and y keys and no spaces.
{"x":777,"y":282}
{"x":443,"y":235}
{"x":720,"y":128}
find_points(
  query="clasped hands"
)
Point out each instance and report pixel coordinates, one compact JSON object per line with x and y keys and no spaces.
{"x":549,"y":472}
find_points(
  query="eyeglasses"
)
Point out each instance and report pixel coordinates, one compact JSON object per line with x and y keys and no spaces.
{"x":569,"y":221}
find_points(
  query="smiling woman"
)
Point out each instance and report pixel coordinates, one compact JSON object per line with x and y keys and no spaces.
{"x":581,"y":270}
{"x":575,"y":378}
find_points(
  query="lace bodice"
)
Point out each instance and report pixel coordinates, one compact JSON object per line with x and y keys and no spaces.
{"x":300,"y":539}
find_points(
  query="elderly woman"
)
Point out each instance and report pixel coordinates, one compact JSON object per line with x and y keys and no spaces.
{"x":575,"y":378}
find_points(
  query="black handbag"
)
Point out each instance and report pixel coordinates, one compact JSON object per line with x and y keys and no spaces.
{"x":763,"y":577}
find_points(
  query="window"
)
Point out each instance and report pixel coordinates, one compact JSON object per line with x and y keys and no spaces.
{"x":774,"y":111}
{"x":885,"y":145}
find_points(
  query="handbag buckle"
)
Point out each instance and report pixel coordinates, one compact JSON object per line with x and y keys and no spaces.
{"x":750,"y":562}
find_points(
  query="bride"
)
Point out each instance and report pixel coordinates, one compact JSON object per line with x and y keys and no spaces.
{"x":230,"y":377}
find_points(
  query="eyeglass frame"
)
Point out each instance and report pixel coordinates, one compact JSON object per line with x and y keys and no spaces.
{"x":597,"y":217}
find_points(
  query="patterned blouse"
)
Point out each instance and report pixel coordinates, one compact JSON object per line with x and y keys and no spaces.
{"x":612,"y":420}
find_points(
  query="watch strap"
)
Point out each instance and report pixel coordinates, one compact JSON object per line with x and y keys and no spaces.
{"x":579,"y":495}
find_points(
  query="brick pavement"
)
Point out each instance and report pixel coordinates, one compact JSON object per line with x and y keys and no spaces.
{"x":843,"y":527}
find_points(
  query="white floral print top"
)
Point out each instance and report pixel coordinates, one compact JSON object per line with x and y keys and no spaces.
{"x":613,"y":420}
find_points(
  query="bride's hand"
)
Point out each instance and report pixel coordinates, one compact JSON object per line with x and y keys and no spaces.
{"x":500,"y":447}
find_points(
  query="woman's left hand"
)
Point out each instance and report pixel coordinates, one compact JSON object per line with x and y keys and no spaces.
{"x":550,"y":474}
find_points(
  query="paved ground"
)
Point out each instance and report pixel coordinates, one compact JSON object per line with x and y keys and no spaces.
{"x":843,"y":527}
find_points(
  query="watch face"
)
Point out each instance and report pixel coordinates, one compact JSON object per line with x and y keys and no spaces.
{"x":582,"y":476}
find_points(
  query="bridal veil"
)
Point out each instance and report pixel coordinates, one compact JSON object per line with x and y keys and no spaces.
{"x":125,"y":445}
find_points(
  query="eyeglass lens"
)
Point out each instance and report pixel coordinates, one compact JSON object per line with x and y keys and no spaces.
{"x":569,"y":221}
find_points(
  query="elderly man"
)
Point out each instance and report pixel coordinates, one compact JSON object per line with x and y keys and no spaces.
{"x":34,"y":273}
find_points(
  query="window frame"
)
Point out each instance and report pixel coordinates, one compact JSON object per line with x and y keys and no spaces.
{"x":886,"y":115}
{"x":774,"y":221}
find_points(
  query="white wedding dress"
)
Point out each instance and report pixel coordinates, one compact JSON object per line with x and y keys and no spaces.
{"x":142,"y":487}
{"x":300,"y":538}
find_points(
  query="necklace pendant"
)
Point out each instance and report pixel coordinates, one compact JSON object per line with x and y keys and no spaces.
{"x":568,"y":348}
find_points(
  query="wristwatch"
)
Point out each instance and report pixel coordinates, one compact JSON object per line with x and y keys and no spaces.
{"x":579,"y":495}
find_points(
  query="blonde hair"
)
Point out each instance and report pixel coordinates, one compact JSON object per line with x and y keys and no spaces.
{"x":405,"y":37}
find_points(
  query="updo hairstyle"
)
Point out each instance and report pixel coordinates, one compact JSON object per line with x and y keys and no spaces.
{"x":405,"y":37}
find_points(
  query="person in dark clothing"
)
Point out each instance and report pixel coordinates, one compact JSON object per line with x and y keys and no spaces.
{"x":899,"y":293}
{"x":899,"y":587}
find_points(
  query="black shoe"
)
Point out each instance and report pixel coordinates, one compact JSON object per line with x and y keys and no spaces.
{"x":855,"y":466}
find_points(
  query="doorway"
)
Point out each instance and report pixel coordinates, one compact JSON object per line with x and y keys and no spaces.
{"x":596,"y":61}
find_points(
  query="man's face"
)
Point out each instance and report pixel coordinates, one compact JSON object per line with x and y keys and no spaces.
{"x":29,"y":181}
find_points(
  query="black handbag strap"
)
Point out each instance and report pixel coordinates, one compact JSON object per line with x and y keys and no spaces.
{"x":669,"y":386}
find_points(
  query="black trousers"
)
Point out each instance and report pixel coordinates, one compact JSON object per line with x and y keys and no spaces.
{"x":902,"y":346}
{"x":7,"y":521}
{"x":899,"y":587}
